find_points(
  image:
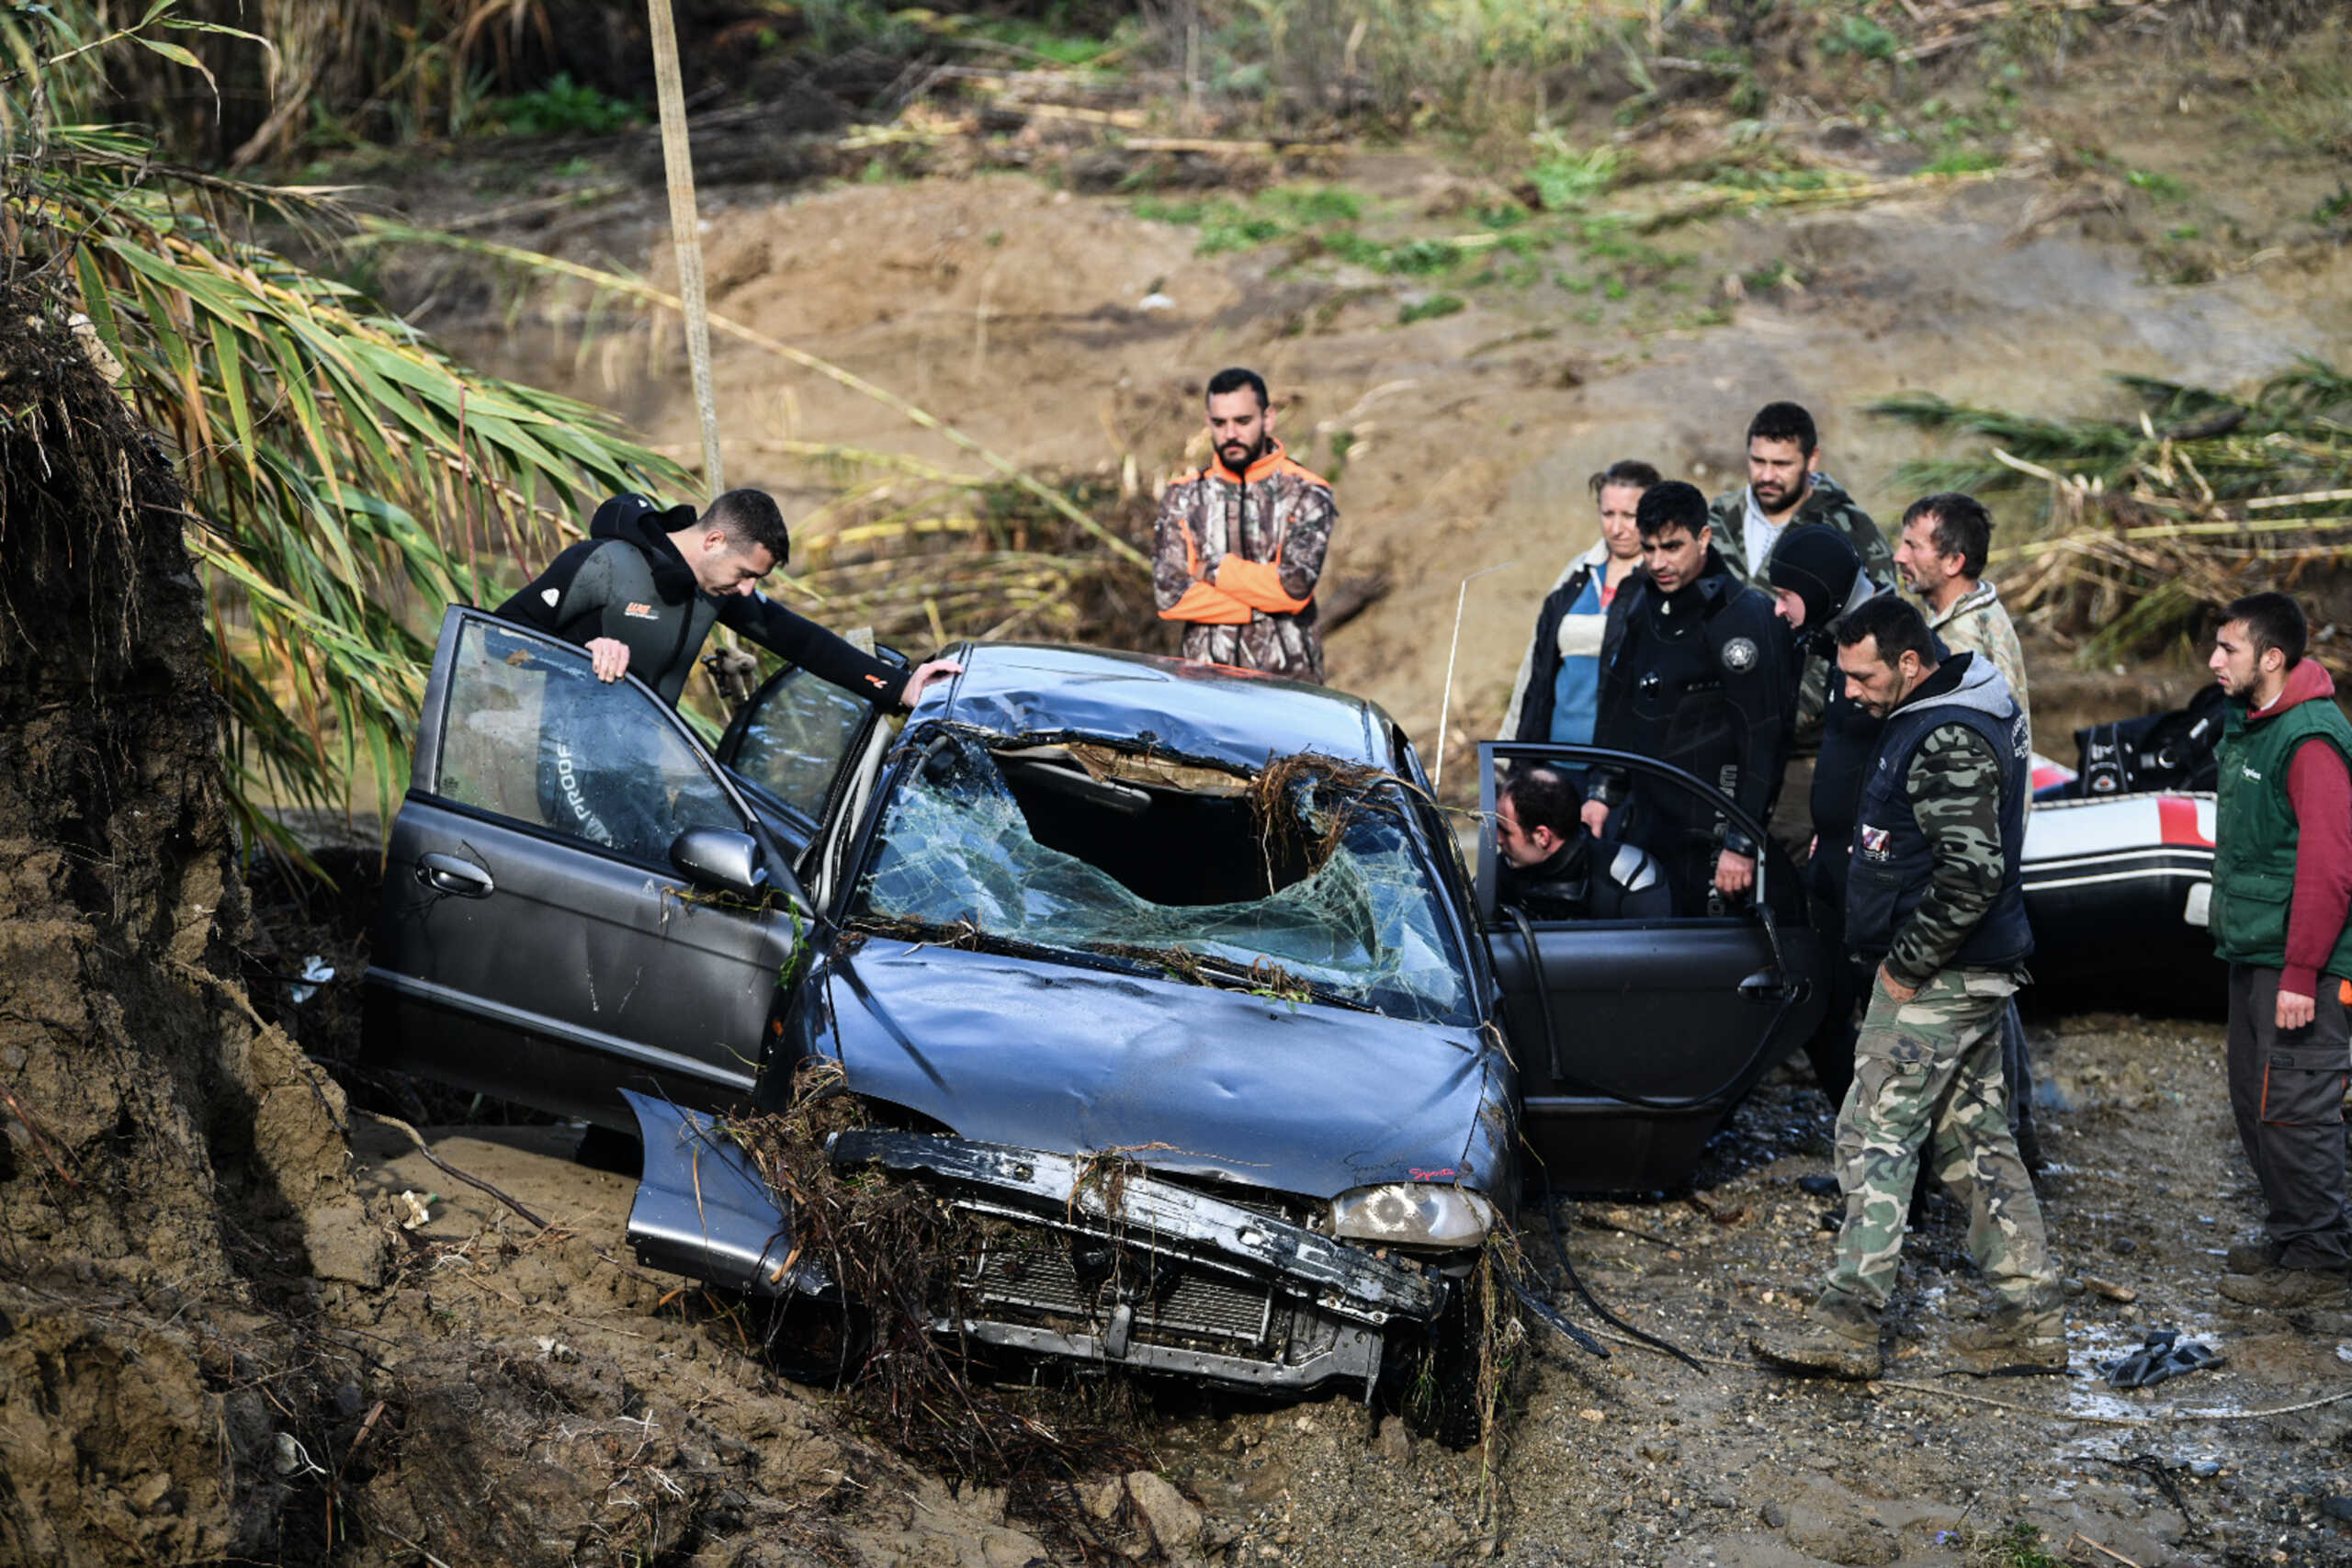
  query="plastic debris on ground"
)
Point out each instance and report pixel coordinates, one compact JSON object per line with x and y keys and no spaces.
{"x":2164,"y":1354}
{"x":317,"y":970}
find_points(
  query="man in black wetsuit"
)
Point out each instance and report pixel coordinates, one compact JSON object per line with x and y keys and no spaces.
{"x":1702,"y":678}
{"x":643,"y":589}
{"x":1555,"y":870}
{"x":1816,"y":577}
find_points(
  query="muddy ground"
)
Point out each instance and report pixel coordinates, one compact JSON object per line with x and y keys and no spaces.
{"x":596,"y":1394}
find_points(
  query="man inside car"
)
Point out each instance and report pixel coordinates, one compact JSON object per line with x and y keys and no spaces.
{"x":1555,"y":870}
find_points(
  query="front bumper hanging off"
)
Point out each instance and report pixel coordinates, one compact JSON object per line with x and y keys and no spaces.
{"x":1085,"y":1259}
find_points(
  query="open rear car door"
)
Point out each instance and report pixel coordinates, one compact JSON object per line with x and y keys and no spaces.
{"x":1635,"y":1039}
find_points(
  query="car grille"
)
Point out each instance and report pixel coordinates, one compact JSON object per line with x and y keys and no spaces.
{"x":1084,"y":1276}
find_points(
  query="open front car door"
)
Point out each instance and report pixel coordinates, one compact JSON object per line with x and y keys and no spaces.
{"x":577,"y":899}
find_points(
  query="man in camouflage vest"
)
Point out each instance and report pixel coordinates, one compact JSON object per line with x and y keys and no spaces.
{"x":1240,"y":544}
{"x":1933,"y":898}
{"x":1940,"y":553}
{"x":2282,"y":884}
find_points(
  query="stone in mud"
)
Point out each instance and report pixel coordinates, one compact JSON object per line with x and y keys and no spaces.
{"x":344,"y":1244}
{"x":1173,"y":1520}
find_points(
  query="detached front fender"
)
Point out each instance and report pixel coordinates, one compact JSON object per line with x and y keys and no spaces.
{"x":703,"y":1210}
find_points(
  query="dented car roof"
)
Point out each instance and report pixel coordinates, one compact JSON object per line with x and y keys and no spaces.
{"x":1028,"y":689}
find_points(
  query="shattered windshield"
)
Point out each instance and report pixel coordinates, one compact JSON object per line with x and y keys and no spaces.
{"x":1303,"y":882}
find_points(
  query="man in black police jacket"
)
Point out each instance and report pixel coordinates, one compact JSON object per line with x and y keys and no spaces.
{"x":643,"y":589}
{"x":1702,"y":678}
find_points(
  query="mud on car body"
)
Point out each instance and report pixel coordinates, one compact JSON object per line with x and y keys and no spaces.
{"x":1085,"y":905}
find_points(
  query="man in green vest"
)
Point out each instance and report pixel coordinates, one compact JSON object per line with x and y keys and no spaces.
{"x":2282,"y":884}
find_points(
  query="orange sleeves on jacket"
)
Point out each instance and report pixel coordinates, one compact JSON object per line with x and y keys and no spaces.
{"x":1258,"y":584}
{"x":1208,"y":604}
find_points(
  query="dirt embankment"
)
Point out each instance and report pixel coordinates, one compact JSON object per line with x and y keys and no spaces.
{"x":219,"y":1340}
{"x":1459,"y":411}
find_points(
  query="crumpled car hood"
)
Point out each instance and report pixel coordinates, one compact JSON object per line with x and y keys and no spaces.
{"x":1301,"y":1099}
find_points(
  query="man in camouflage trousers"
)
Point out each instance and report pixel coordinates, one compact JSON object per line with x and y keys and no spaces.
{"x":1239,"y":545}
{"x":1933,"y":898}
{"x":1940,"y":553}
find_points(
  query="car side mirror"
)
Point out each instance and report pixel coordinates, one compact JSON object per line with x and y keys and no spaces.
{"x":721,"y":858}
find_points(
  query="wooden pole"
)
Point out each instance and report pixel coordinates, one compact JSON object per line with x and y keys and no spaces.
{"x":685,"y":234}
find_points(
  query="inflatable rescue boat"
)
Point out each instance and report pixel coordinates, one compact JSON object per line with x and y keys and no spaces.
{"x":2119,"y":858}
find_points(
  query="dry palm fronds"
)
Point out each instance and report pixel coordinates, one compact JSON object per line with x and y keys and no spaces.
{"x":2155,"y":522}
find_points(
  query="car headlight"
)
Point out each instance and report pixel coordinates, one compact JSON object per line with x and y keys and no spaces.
{"x":1413,"y":1213}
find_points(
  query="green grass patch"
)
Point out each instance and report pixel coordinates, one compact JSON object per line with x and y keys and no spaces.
{"x":2162,"y":187}
{"x":565,"y":107}
{"x":1566,"y":179}
{"x":1310,"y":207}
{"x":1042,"y":42}
{"x":1857,"y":34}
{"x":1278,"y":214}
{"x":1965,"y":161}
{"x":2015,"y":1545}
{"x":1430,"y":308}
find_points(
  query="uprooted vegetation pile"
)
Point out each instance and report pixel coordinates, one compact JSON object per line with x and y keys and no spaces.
{"x":2153,"y":523}
{"x":894,"y":1253}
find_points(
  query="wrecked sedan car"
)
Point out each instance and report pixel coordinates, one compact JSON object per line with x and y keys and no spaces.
{"x":1085,"y":904}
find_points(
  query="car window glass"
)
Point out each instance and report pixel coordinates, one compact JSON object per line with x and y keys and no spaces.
{"x":1307,"y":885}
{"x":795,"y":738}
{"x":530,"y":734}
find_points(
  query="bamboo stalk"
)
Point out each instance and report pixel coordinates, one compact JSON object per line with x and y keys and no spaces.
{"x":2174,"y":530}
{"x":685,"y":234}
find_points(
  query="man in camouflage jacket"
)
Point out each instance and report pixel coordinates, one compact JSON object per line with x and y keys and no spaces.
{"x":1933,"y":898}
{"x":1940,"y":553}
{"x":1784,"y":488}
{"x":1239,"y":545}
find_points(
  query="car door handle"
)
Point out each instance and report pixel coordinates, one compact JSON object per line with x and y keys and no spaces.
{"x":447,"y":874}
{"x":1771,"y":986}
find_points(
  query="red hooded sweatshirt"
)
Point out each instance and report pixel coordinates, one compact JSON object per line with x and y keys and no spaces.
{"x":2320,"y":790}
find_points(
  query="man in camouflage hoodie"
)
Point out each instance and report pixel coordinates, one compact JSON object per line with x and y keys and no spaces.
{"x":1240,"y":544}
{"x":1933,"y":898}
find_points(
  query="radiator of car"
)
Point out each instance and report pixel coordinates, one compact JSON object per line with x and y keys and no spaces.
{"x":1151,"y":1274}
